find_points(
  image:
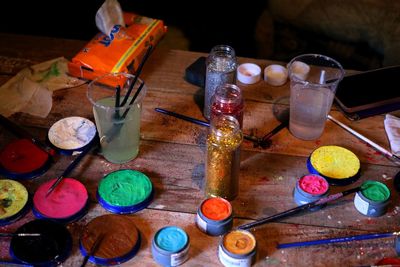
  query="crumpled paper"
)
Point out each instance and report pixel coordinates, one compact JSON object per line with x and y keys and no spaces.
{"x":30,"y":91}
{"x":392,"y":128}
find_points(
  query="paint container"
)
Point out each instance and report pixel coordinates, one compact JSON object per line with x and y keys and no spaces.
{"x":117,"y":236}
{"x":51,"y":248}
{"x":310,"y":188}
{"x":68,"y":202}
{"x":125,"y":191}
{"x":397,"y":245}
{"x":237,"y":248}
{"x":21,"y":160}
{"x":338,"y":165}
{"x":214,"y":216}
{"x":373,"y":199}
{"x":14,"y":201}
{"x":170,"y":246}
{"x":71,"y":135}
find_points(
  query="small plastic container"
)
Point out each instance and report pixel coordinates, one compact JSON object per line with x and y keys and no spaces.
{"x":373,"y":199}
{"x":23,"y":160}
{"x":214,"y":216}
{"x":15,"y":201}
{"x":125,"y":191}
{"x":71,"y":135}
{"x":68,"y":202}
{"x":338,"y":165}
{"x":300,"y":70}
{"x":116,"y":237}
{"x":170,"y":246}
{"x":237,"y":248}
{"x":249,"y":73}
{"x":275,"y":75}
{"x":310,"y":188}
{"x":50,"y":248}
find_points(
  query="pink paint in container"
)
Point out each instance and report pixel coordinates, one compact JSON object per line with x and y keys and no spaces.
{"x":310,"y":188}
{"x":67,"y":203}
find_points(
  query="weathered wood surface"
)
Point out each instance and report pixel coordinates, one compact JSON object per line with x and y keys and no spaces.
{"x":172,"y":154}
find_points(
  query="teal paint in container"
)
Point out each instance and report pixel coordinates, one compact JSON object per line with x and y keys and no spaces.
{"x":170,"y":246}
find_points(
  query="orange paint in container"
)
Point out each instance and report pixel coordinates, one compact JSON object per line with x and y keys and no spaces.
{"x":214,"y":216}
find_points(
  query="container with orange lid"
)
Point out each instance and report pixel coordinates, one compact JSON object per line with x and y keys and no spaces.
{"x":237,"y":248}
{"x":214,"y":216}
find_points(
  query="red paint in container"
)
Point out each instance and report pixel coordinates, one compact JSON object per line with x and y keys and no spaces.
{"x":68,"y":202}
{"x":216,"y":208}
{"x":313,"y":184}
{"x":21,"y":159}
{"x":310,"y":188}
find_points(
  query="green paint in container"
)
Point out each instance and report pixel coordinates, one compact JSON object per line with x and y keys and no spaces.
{"x":373,"y":199}
{"x":125,"y":191}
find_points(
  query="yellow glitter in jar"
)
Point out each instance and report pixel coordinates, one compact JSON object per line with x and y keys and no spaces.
{"x":223,"y":158}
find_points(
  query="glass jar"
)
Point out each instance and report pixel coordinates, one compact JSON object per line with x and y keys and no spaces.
{"x":223,"y":160}
{"x":228,"y":100}
{"x":221,"y":68}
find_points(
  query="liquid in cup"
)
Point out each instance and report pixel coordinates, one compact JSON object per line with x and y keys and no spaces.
{"x":312,"y":93}
{"x":119,"y":135}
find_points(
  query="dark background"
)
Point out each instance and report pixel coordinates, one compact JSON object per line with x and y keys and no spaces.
{"x":204,"y":23}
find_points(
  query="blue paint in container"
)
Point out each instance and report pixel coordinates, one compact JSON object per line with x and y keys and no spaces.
{"x":170,"y":246}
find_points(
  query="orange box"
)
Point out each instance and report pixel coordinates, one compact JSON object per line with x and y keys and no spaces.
{"x":119,"y":52}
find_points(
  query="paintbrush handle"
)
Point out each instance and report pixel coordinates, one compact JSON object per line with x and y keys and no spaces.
{"x":183,"y":117}
{"x":308,"y":206}
{"x":18,"y":131}
{"x":72,"y":165}
{"x":19,"y":234}
{"x":13,"y":263}
{"x":335,"y":240}
{"x":363,"y":138}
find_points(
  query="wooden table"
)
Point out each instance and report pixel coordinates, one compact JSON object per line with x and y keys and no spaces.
{"x":172,"y":154}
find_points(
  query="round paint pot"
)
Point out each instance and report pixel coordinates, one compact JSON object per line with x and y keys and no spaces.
{"x":21,"y":159}
{"x":237,"y":248}
{"x":125,"y":191}
{"x":68,"y":202}
{"x":373,"y":199}
{"x":71,"y":135}
{"x":14,"y":201}
{"x":51,"y":248}
{"x":170,"y":246}
{"x":310,"y":188}
{"x":214,"y":216}
{"x":338,"y":165}
{"x":116,"y":238}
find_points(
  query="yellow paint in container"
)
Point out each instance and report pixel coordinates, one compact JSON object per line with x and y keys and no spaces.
{"x":338,"y":165}
{"x":237,"y":248}
{"x":13,"y":200}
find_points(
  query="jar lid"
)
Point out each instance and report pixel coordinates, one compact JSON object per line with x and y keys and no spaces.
{"x":248,"y":73}
{"x":275,"y":75}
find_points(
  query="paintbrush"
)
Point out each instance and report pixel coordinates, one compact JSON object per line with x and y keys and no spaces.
{"x":377,"y":147}
{"x":19,"y":234}
{"x":305,"y":207}
{"x":93,"y":249}
{"x":263,"y":142}
{"x":337,"y":240}
{"x":18,"y":131}
{"x":72,"y":165}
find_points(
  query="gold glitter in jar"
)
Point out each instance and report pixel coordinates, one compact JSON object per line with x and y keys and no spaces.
{"x":223,"y":158}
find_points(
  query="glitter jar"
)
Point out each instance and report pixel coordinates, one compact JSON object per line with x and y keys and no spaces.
{"x":228,"y":100}
{"x":222,"y":162}
{"x":237,"y":248}
{"x":310,"y":188}
{"x":214,"y":216}
{"x":170,"y":246}
{"x":221,"y":65}
{"x":373,"y":199}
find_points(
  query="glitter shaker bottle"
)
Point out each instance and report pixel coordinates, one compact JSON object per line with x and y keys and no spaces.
{"x":222,"y":162}
{"x":221,"y":68}
{"x":228,"y":100}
